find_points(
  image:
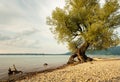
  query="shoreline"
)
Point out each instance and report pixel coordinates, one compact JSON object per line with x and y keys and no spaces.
{"x":36,"y":74}
{"x":30,"y":74}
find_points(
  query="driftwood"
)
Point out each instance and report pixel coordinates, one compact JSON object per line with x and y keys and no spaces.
{"x":15,"y":71}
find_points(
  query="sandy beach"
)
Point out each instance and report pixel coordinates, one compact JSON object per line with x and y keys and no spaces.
{"x":102,"y":70}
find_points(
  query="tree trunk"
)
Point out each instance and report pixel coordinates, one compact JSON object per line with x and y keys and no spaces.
{"x":80,"y":54}
{"x":71,"y":59}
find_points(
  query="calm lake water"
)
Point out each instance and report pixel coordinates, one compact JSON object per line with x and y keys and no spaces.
{"x":30,"y":63}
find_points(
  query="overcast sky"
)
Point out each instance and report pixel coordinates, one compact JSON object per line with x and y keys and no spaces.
{"x":23,"y":27}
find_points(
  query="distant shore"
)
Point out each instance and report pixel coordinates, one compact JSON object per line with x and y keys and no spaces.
{"x":103,"y":70}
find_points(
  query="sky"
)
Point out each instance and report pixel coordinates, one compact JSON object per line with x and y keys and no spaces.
{"x":23,"y":27}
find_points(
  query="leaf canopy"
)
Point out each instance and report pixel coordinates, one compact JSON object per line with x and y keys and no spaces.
{"x":86,"y":21}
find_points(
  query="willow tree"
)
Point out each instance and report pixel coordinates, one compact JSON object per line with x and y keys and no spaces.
{"x":85,"y":24}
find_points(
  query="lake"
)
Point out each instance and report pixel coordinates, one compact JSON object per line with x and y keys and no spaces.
{"x":31,"y":63}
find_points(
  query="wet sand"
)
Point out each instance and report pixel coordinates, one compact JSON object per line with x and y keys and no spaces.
{"x":102,"y":70}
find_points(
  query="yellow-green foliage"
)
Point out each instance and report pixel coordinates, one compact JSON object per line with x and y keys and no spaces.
{"x":86,"y":20}
{"x":72,"y":46}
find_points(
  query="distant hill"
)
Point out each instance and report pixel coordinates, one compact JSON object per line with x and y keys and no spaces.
{"x":109,"y":51}
{"x":68,"y":53}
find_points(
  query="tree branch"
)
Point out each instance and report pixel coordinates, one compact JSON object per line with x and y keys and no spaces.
{"x":79,"y":27}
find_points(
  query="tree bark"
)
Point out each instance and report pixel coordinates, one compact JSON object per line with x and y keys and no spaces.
{"x":71,"y":59}
{"x":80,"y":54}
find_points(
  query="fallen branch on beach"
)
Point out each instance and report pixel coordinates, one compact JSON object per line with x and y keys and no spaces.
{"x":14,"y":71}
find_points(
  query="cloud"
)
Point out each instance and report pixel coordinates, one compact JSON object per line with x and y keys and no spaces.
{"x":17,"y":10}
{"x":14,"y":39}
{"x":23,"y":26}
{"x":6,"y":35}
